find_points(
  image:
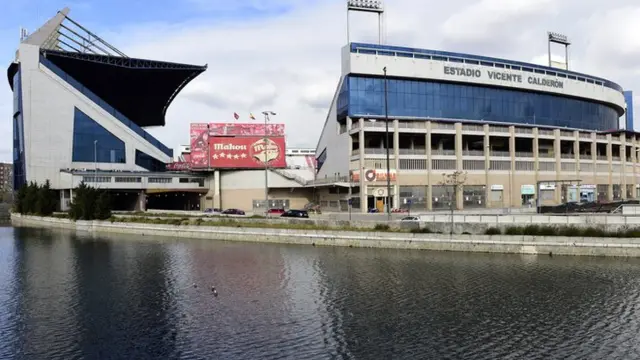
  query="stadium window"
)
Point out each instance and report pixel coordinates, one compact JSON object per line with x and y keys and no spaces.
{"x":149,"y":162}
{"x":94,"y":143}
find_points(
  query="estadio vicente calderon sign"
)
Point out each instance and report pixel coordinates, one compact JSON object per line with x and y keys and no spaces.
{"x":247,"y":152}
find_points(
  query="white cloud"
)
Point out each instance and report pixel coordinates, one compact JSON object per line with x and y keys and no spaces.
{"x":290,"y":62}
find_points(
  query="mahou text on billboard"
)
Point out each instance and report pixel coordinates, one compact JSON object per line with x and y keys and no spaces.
{"x":248,"y":152}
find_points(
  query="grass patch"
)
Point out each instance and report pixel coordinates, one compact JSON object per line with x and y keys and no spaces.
{"x":493,"y":231}
{"x":424,"y":230}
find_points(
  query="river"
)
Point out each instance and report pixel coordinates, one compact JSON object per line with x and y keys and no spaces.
{"x":66,"y":296}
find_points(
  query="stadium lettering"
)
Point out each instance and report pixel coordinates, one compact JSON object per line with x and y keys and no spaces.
{"x":545,"y":82}
{"x":502,"y":76}
{"x":458,"y":71}
{"x":495,"y":75}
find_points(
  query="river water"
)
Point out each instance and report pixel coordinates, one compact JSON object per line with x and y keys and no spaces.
{"x":65,"y":296}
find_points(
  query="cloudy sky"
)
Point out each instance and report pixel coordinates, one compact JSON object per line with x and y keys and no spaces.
{"x":284,"y":55}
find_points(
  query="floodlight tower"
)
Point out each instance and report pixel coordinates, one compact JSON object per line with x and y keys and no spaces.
{"x":371,"y":6}
{"x":562,"y":40}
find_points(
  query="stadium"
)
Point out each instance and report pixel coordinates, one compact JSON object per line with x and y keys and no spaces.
{"x":402,"y":121}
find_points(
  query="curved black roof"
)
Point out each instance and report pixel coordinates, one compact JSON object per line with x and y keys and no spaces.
{"x":141,"y":90}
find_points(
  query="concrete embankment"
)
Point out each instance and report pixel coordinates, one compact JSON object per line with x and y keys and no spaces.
{"x":393,"y":240}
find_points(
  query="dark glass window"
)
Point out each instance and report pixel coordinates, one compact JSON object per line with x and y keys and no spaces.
{"x":19,"y":164}
{"x":321,"y":159}
{"x":92,"y":142}
{"x":431,"y":99}
{"x":149,"y":162}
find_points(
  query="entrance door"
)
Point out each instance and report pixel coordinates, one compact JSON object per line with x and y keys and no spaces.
{"x":380,"y":204}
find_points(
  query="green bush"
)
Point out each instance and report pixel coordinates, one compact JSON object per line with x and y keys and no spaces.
{"x":514,"y":230}
{"x":36,"y":199}
{"x":492,"y":231}
{"x":381,"y":227}
{"x":90,"y":203}
{"x":424,"y":230}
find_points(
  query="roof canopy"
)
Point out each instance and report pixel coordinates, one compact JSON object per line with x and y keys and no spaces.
{"x":141,"y":90}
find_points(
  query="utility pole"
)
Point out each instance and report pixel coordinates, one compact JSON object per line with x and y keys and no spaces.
{"x":266,"y":161}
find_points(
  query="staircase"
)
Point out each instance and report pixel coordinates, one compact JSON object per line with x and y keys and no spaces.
{"x":290,"y":176}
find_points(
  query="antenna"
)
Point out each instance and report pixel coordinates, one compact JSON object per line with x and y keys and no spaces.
{"x":371,"y":6}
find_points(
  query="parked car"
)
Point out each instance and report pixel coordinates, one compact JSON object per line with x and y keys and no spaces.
{"x":410,"y":218}
{"x":233,"y":212}
{"x":296,"y":214}
{"x":275,"y":211}
{"x":213,"y":211}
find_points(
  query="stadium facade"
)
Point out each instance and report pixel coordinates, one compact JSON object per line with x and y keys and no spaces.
{"x":81,"y":107}
{"x":505,"y":125}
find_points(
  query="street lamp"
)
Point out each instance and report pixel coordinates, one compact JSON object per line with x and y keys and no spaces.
{"x":386,"y":123}
{"x":266,"y":161}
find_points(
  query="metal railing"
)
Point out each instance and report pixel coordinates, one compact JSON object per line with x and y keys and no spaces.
{"x":418,"y":151}
{"x":472,"y":152}
{"x":524,"y":154}
{"x":567,"y":156}
{"x":443,"y":152}
{"x":500,"y":153}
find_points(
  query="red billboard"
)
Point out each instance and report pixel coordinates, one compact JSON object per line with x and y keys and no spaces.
{"x":199,"y":139}
{"x":247,"y":152}
{"x":245,"y":129}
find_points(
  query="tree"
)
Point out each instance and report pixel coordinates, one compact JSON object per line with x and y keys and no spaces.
{"x":103,"y":206}
{"x":453,"y":181}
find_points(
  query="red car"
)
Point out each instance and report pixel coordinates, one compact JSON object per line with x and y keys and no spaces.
{"x":275,"y":211}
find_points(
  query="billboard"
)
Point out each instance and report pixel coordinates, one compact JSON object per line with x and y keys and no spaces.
{"x":199,"y":138}
{"x":245,"y":129}
{"x":247,"y":152}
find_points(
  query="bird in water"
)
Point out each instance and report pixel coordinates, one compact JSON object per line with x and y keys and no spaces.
{"x":214,"y":291}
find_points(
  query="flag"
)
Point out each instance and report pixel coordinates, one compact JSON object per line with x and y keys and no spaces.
{"x":251,"y":116}
{"x":236,"y":116}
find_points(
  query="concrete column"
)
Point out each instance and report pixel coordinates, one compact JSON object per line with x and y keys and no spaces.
{"x":429,"y":174}
{"x":536,"y":159}
{"x":395,"y":186}
{"x":610,"y":160}
{"x":512,"y":158}
{"x":141,"y":203}
{"x":576,"y":155}
{"x":634,"y":160}
{"x":623,"y":166}
{"x":556,"y":152}
{"x":459,"y":167}
{"x":487,"y":165}
{"x":594,"y":158}
{"x":361,"y":158}
{"x":217,"y":195}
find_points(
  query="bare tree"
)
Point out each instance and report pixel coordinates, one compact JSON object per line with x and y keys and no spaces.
{"x":452,"y":183}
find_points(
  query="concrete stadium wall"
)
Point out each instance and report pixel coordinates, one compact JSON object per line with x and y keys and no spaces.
{"x":48,"y":112}
{"x":534,"y":245}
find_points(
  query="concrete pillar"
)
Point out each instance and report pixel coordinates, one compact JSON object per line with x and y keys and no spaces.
{"x":395,"y":163}
{"x":536,"y":159}
{"x":558,"y":156}
{"x":458,"y":150}
{"x":487,"y":165}
{"x":576,"y":155}
{"x":594,"y":160}
{"x":610,"y":160}
{"x":363,"y":186}
{"x":217,"y":196}
{"x":634,"y":161}
{"x":512,"y":156}
{"x":623,"y":166}
{"x":141,"y":203}
{"x":429,"y":169}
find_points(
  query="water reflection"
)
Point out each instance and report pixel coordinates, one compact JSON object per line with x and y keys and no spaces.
{"x":68,"y":296}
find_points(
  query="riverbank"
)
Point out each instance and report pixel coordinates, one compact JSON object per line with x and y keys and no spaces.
{"x":513,"y":244}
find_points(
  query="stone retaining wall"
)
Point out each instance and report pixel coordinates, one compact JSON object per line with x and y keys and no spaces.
{"x":471,"y":243}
